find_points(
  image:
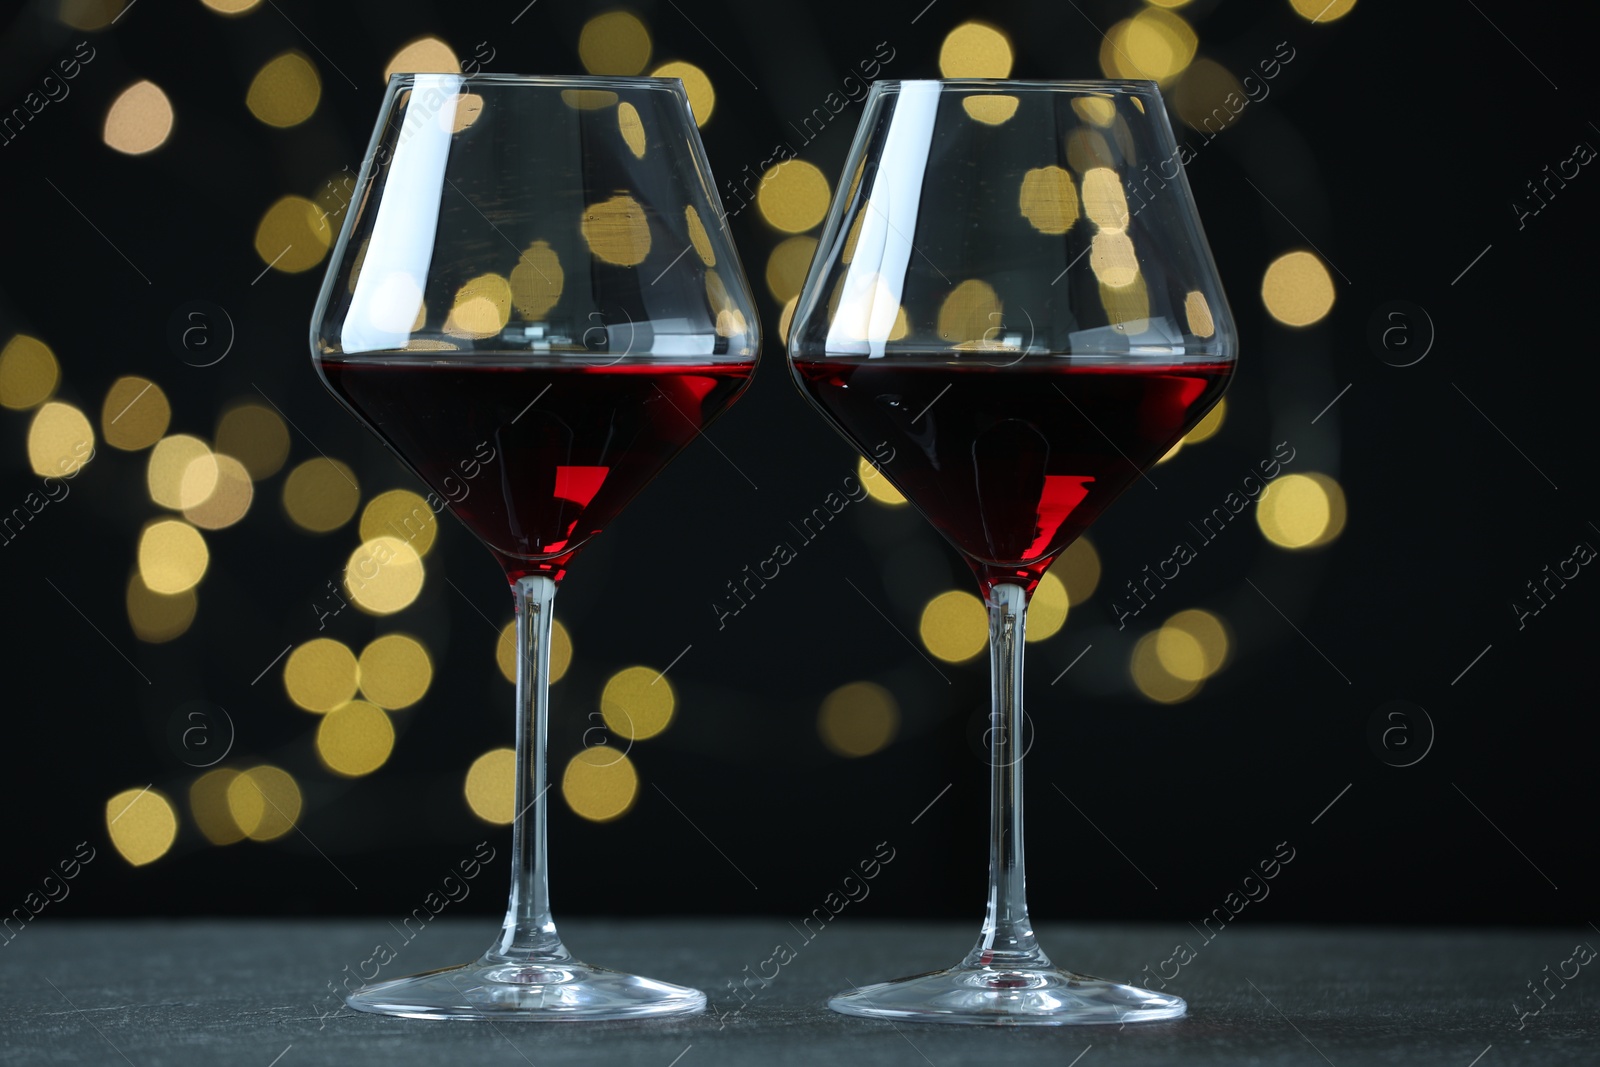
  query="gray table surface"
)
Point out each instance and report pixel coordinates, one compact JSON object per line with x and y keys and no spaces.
{"x":256,"y":993}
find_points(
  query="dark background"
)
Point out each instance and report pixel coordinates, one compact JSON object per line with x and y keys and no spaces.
{"x":1396,"y":141}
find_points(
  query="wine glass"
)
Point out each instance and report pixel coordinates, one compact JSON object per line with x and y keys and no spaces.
{"x":1013,"y":299}
{"x":535,"y":303}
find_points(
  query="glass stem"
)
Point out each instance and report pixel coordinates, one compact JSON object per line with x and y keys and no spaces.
{"x":529,"y":933}
{"x":1007,"y":940}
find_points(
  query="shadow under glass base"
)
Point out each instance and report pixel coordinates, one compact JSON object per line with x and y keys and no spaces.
{"x":1034,"y":996}
{"x":526,"y":992}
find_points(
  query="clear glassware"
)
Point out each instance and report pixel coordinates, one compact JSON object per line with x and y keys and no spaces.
{"x":1013,"y":308}
{"x":535,"y":303}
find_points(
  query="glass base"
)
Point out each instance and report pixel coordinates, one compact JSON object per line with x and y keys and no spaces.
{"x":1043,"y":996}
{"x":526,"y":992}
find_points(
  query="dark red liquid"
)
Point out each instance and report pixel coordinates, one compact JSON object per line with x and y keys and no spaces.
{"x":1011,"y":464}
{"x":535,"y":459}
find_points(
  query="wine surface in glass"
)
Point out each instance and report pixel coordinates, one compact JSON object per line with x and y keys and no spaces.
{"x":1012,"y":463}
{"x":535,"y":457}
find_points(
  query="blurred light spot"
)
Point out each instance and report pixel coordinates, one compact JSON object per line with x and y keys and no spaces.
{"x":1192,"y":645}
{"x":1088,"y":149}
{"x":142,"y":824}
{"x":157,"y":617}
{"x":140,"y":119}
{"x":702,"y":97}
{"x":1209,"y":425}
{"x":383,"y":576}
{"x":425,"y":55}
{"x":1099,"y":110}
{"x":990,"y":108}
{"x":858,"y":719}
{"x":208,"y":804}
{"x":90,"y":14}
{"x":181,"y":471}
{"x":60,"y":440}
{"x":617,"y":231}
{"x":876,"y":485}
{"x":614,"y":43}
{"x":1154,"y":44}
{"x":231,"y":7}
{"x":135,"y":413}
{"x":632,"y":129}
{"x":853,"y":235}
{"x":970,"y":313}
{"x":1078,"y":567}
{"x":321,"y":495}
{"x":293,"y":236}
{"x":1201,"y":97}
{"x":600,"y":784}
{"x":1152,"y":679}
{"x":1320,"y":11}
{"x":29,"y":372}
{"x":1104,"y":201}
{"x":172,"y":556}
{"x":975,"y":50}
{"x":588,"y":99}
{"x":1047,"y":611}
{"x":637,"y":703}
{"x":785,"y":317}
{"x":355,"y":739}
{"x":1128,"y":306}
{"x":698,"y":237}
{"x":264,"y":802}
{"x":228,"y":501}
{"x":1048,"y":200}
{"x":482,"y":307}
{"x":788,"y":264}
{"x":1198,"y":313}
{"x":1113,"y":260}
{"x":1297,"y":289}
{"x":793,"y":196}
{"x":1301,"y":511}
{"x":460,"y":112}
{"x":954,"y":626}
{"x":491,"y":786}
{"x":402,"y":514}
{"x":537,"y":281}
{"x":321,"y":674}
{"x":1177,"y":446}
{"x":285,"y":92}
{"x":505,"y":653}
{"x":395,"y":671}
{"x":1167,"y":3}
{"x":256,"y":437}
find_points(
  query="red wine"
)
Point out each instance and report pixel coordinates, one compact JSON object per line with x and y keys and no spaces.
{"x":1011,"y":464}
{"x":535,"y":458}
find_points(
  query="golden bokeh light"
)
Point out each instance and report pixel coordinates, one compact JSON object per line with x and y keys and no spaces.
{"x":1127,"y":306}
{"x":537,"y":281}
{"x":285,"y":91}
{"x":29,"y":373}
{"x":172,"y":556}
{"x":990,"y":108}
{"x":785,"y":317}
{"x":970,"y":313}
{"x":1170,"y":453}
{"x":1087,"y":149}
{"x":1192,"y":645}
{"x":355,"y":739}
{"x":617,"y":231}
{"x":1207,"y":427}
{"x":1048,"y":200}
{"x":491,"y":786}
{"x":1297,"y":289}
{"x":588,"y":99}
{"x":954,"y":626}
{"x":142,"y":824}
{"x":698,"y":237}
{"x":871,"y":312}
{"x":90,"y":14}
{"x":632,"y":129}
{"x":1301,"y":511}
{"x":1153,"y":680}
{"x":858,"y":719}
{"x":1322,"y":11}
{"x":395,"y":671}
{"x":321,"y":674}
{"x":788,"y":264}
{"x":505,"y":653}
{"x":208,"y":806}
{"x":793,"y":196}
{"x":60,"y":440}
{"x":230,"y":498}
{"x":877,"y":486}
{"x":975,"y":50}
{"x":158,"y":617}
{"x":321,"y":495}
{"x":255,"y":436}
{"x":460,"y":112}
{"x":293,"y":236}
{"x":264,"y":802}
{"x":402,"y":514}
{"x":1104,"y":200}
{"x":637,"y":703}
{"x":600,"y":784}
{"x":1113,"y":260}
{"x":135,"y":413}
{"x":425,"y":55}
{"x":1047,"y":611}
{"x":614,"y":43}
{"x":181,"y":472}
{"x":231,"y":7}
{"x":1078,"y":567}
{"x":1201,"y":97}
{"x":139,"y":120}
{"x":1154,"y":44}
{"x":1198,"y":314}
{"x":482,"y":307}
{"x":702,"y":97}
{"x":1099,"y":110}
{"x":383,"y":576}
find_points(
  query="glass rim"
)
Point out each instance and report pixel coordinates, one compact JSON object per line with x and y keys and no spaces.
{"x":553,"y":81}
{"x":1070,"y":85}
